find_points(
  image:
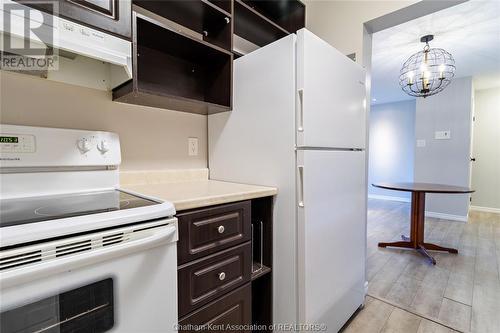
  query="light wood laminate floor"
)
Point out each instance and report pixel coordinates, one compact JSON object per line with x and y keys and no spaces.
{"x":462,"y":291}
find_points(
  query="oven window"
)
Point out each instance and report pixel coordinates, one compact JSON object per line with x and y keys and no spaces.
{"x":85,"y":309}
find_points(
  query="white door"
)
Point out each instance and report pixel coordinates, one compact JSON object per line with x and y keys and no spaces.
{"x":331,"y":96}
{"x":331,"y":235}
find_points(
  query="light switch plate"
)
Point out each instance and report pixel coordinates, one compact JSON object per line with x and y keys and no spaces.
{"x":193,"y":146}
{"x":420,"y":143}
{"x":442,"y":135}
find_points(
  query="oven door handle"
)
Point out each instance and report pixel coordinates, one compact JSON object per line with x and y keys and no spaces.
{"x":58,"y":265}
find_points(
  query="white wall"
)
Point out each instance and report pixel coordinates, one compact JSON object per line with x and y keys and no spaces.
{"x":150,"y":138}
{"x":445,"y":161}
{"x":392,"y":146}
{"x":340,"y":23}
{"x":486,"y":150}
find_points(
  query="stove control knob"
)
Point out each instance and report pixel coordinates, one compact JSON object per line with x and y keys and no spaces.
{"x":84,"y":145}
{"x":103,"y":147}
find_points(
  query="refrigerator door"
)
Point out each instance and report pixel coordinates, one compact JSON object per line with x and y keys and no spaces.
{"x":331,"y":235}
{"x":254,"y":144}
{"x":331,"y":96}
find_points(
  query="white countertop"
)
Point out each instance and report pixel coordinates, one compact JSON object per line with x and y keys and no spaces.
{"x":201,"y":193}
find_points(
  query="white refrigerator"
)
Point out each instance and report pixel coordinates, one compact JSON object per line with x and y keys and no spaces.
{"x":299,"y":123}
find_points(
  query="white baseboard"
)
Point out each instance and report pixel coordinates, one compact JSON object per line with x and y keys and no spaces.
{"x":485,"y":209}
{"x":388,"y":197}
{"x":446,"y":216}
{"x":427,"y":213}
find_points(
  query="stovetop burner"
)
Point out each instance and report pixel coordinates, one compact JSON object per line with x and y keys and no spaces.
{"x":38,"y":209}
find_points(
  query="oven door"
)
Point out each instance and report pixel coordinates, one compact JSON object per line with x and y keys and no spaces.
{"x":121,"y":280}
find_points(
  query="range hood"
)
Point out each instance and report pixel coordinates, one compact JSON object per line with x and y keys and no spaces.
{"x":84,"y":56}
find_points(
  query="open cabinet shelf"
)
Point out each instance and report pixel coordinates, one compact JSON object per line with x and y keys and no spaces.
{"x":258,"y":271}
{"x":264,"y":21}
{"x":210,"y":20}
{"x":255,"y":27}
{"x":288,"y":14}
{"x":173,"y":70}
{"x":262,"y":279}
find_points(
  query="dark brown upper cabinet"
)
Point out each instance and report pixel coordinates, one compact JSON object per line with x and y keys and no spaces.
{"x":265,"y":21}
{"x":174,"y":70}
{"x":288,"y":14}
{"x":112,"y":16}
{"x":210,"y":21}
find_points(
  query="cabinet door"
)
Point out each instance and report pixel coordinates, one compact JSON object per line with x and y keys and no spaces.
{"x":114,"y":16}
{"x":204,"y":280}
{"x":206,"y":231}
{"x":232,"y":310}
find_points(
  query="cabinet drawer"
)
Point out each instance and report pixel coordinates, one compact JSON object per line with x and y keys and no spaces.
{"x":209,"y":230}
{"x":206,"y":279}
{"x":235,"y":308}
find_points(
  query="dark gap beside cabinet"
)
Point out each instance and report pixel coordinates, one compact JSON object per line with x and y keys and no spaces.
{"x":176,"y":71}
{"x":262,"y":302}
{"x":262,"y":282}
{"x":202,"y":16}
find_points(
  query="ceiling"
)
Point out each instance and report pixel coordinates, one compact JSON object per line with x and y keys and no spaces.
{"x":469,"y":31}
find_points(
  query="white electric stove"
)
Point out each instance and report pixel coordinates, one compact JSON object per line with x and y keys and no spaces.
{"x":76,"y":252}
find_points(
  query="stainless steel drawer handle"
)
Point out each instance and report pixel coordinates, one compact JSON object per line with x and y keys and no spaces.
{"x":222,"y":276}
{"x":221,"y":229}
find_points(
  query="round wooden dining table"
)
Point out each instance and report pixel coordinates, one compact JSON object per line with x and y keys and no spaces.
{"x":418,"y":191}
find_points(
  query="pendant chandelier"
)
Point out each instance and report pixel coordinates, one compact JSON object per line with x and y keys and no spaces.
{"x":427,"y":72}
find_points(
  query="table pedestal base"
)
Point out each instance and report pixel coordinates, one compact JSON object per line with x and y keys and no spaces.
{"x":416,"y":239}
{"x":422,"y":248}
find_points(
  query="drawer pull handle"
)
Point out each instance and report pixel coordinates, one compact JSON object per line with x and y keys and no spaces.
{"x":221,"y":229}
{"x":222,"y":276}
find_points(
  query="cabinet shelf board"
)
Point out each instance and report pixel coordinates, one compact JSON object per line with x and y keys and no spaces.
{"x":257,"y":271}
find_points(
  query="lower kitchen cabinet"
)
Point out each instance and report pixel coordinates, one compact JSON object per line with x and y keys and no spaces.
{"x":207,"y":279}
{"x":225,"y":267}
{"x":231,"y":313}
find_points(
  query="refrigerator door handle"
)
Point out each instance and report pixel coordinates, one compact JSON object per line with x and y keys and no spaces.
{"x":300,"y":116}
{"x":301,"y":185}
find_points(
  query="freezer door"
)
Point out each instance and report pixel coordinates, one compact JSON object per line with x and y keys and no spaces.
{"x":331,"y":235}
{"x":331,"y":96}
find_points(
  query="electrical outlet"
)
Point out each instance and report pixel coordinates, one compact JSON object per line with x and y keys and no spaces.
{"x":420,"y":143}
{"x":193,"y":146}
